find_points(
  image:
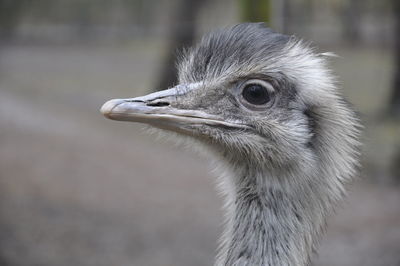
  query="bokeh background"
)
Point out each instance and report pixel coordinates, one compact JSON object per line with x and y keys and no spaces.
{"x":77,"y":189}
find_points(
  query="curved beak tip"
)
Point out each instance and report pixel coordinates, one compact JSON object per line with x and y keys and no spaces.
{"x":108,"y":107}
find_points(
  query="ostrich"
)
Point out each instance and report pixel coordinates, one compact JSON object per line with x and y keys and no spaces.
{"x":266,"y":105}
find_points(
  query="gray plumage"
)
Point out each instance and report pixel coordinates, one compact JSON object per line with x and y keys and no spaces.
{"x":284,"y":163}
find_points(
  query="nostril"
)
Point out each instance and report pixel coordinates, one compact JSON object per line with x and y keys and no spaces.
{"x":158,"y":104}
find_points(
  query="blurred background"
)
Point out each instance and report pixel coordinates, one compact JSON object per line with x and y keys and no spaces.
{"x":77,"y":189}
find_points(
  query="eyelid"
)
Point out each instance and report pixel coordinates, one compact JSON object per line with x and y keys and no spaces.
{"x":238,"y":89}
{"x":261,"y":82}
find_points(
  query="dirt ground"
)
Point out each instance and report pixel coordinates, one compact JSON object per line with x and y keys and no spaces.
{"x":77,"y":189}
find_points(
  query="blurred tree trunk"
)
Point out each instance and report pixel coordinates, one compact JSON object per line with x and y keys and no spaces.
{"x":183,"y":33}
{"x":256,"y":10}
{"x":10,"y":13}
{"x":286,"y":15}
{"x":83,"y":11}
{"x":351,"y":20}
{"x":394,"y":104}
{"x":280,"y":15}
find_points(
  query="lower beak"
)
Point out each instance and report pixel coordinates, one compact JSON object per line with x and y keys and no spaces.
{"x":157,"y":109}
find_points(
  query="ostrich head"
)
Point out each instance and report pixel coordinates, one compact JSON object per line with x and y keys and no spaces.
{"x":267,"y":104}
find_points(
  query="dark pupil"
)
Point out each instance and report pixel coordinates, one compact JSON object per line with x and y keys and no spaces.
{"x":255,"y":94}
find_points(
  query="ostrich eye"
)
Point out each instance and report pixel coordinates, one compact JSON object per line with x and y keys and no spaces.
{"x":256,"y":94}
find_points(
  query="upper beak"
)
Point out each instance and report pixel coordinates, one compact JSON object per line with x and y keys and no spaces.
{"x":157,"y":109}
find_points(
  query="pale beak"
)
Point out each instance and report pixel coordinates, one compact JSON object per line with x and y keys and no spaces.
{"x":157,"y":109}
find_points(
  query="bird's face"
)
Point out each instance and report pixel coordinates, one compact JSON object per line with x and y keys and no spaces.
{"x":239,"y":101}
{"x":254,"y":117}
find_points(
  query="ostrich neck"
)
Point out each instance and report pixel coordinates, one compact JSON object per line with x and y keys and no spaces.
{"x":271,"y":222}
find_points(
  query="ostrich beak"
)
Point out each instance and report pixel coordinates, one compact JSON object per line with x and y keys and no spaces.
{"x":157,"y":109}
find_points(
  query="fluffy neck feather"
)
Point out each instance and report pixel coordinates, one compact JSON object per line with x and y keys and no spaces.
{"x":272,"y":221}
